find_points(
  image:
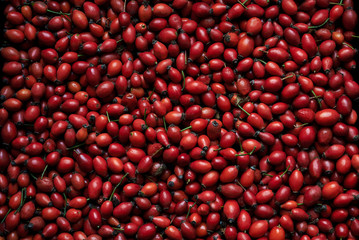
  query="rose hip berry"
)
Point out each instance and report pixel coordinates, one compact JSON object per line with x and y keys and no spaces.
{"x":179,"y":120}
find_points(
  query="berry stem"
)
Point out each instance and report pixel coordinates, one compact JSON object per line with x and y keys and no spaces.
{"x":318,"y":26}
{"x":65,"y":198}
{"x":184,"y":129}
{"x":59,"y":13}
{"x":108,"y":117}
{"x":164,"y":123}
{"x":157,"y":151}
{"x":189,"y":210}
{"x":43,"y":172}
{"x":76,"y":146}
{"x":118,"y":184}
{"x":21,"y":201}
{"x":184,"y":81}
{"x":286,"y":170}
{"x":243,"y":4}
{"x":243,"y":110}
{"x":6,"y":215}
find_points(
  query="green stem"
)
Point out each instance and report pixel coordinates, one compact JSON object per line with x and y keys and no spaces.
{"x":118,"y":229}
{"x":6,"y":215}
{"x":341,"y":4}
{"x":33,"y":176}
{"x":266,"y":174}
{"x":243,"y":109}
{"x":355,"y":36}
{"x":172,"y":219}
{"x":43,"y":172}
{"x":218,"y":149}
{"x":65,"y":204}
{"x":21,"y":201}
{"x":252,"y":150}
{"x":243,"y":4}
{"x":157,"y":151}
{"x":317,"y":98}
{"x":301,"y":125}
{"x":149,"y":178}
{"x":315,"y":95}
{"x":241,"y":155}
{"x":262,"y":61}
{"x":241,"y":185}
{"x":184,"y":129}
{"x":244,"y":154}
{"x":346,"y":44}
{"x":108,"y":117}
{"x":240,"y":145}
{"x":59,"y":13}
{"x":321,"y":25}
{"x":184,"y":81}
{"x":153,"y":90}
{"x":300,"y":204}
{"x":286,"y":170}
{"x":124,"y":6}
{"x":164,"y":123}
{"x":286,"y":77}
{"x":118,"y":184}
{"x":189,"y":210}
{"x":76,"y":146}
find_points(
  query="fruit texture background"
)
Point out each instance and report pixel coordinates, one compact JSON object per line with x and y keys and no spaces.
{"x":100,"y":151}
